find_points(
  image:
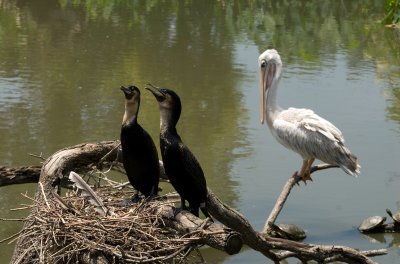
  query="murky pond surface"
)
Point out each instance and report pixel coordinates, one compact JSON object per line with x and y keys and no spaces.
{"x":61,"y":63}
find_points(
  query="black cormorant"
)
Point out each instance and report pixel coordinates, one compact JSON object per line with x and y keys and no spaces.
{"x":139,"y":153}
{"x":181,"y":166}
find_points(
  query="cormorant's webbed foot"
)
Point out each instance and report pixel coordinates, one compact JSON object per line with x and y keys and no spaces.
{"x":135,"y":198}
{"x":176,"y":211}
{"x":203,"y":208}
{"x":128,"y":201}
{"x":150,"y":197}
{"x":183,"y":207}
{"x":153,"y":193}
{"x":125,"y":202}
{"x":194,"y":211}
{"x":183,"y":204}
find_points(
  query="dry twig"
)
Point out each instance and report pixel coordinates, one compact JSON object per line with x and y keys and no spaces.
{"x":133,"y":234}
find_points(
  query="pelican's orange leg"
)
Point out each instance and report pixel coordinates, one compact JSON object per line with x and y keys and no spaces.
{"x":304,"y":173}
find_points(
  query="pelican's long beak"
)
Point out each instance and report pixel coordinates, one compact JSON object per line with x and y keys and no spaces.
{"x":267,"y":75}
{"x":262,"y":96}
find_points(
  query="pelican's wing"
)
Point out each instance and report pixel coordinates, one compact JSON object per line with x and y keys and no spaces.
{"x":313,"y":137}
{"x":308,"y":120}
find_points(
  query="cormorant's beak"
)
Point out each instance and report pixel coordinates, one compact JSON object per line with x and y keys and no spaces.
{"x":267,"y":75}
{"x":125,"y":90}
{"x":158,"y":94}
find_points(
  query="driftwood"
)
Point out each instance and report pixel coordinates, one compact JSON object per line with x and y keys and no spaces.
{"x":295,"y":179}
{"x":85,"y":157}
{"x":216,"y":235}
{"x":268,"y":245}
{"x":54,"y":170}
{"x":18,"y":175}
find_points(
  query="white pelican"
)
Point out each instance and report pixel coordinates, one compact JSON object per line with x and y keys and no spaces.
{"x":301,"y":130}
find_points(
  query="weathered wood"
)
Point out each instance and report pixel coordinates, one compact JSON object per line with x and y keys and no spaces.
{"x":55,"y":169}
{"x":81,"y":157}
{"x":278,"y":249}
{"x":19,"y":175}
{"x":85,"y":156}
{"x":280,"y":202}
{"x":217,"y":235}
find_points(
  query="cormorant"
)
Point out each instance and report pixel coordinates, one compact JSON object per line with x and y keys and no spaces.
{"x":139,"y":153}
{"x":181,"y":166}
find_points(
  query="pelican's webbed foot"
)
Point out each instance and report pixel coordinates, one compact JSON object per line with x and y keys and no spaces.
{"x":304,"y":172}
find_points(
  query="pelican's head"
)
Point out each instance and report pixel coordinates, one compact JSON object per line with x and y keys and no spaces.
{"x":270,"y":70}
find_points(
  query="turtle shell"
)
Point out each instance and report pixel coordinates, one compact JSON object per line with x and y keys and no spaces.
{"x":288,"y":231}
{"x":371,"y":223}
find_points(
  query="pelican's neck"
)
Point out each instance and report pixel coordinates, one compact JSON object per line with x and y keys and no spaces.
{"x":272,"y":108}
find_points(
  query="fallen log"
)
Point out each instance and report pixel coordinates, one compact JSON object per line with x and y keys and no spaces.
{"x":48,"y":222}
{"x":279,"y":249}
{"x":19,"y":175}
{"x":215,"y":235}
{"x":85,"y":156}
{"x":54,"y":169}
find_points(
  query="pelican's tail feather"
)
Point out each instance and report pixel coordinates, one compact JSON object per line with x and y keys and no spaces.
{"x":350,"y":165}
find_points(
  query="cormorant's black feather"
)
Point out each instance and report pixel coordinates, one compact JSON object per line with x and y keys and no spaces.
{"x":139,"y":154}
{"x":181,"y":166}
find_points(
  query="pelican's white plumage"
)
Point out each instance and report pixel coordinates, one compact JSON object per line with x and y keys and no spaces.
{"x":298,"y":129}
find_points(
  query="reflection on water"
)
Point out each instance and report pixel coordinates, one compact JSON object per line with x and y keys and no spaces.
{"x":61,"y":64}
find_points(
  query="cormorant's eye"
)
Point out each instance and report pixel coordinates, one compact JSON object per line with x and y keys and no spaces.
{"x":263,"y":64}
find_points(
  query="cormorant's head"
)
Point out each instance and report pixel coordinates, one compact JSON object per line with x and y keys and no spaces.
{"x":169,"y":102}
{"x":132,"y":102}
{"x":131,"y":92}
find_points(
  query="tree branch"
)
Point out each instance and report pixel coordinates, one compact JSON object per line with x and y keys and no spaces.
{"x":218,"y":236}
{"x":82,"y":157}
{"x":285,"y":194}
{"x":19,"y":175}
{"x":268,"y":245}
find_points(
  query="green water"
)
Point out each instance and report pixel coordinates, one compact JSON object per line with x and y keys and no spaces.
{"x":62,"y":62}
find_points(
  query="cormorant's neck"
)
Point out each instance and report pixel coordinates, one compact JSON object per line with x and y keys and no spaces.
{"x":167,"y":123}
{"x":131,"y":113}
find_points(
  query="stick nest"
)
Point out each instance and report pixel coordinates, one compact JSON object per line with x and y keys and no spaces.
{"x":130,"y":234}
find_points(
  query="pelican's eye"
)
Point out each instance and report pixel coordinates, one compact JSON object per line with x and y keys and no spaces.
{"x":263,"y":64}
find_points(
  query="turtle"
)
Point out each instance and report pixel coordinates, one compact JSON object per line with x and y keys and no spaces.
{"x":371,"y":224}
{"x":287,"y":231}
{"x":395,"y":217}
